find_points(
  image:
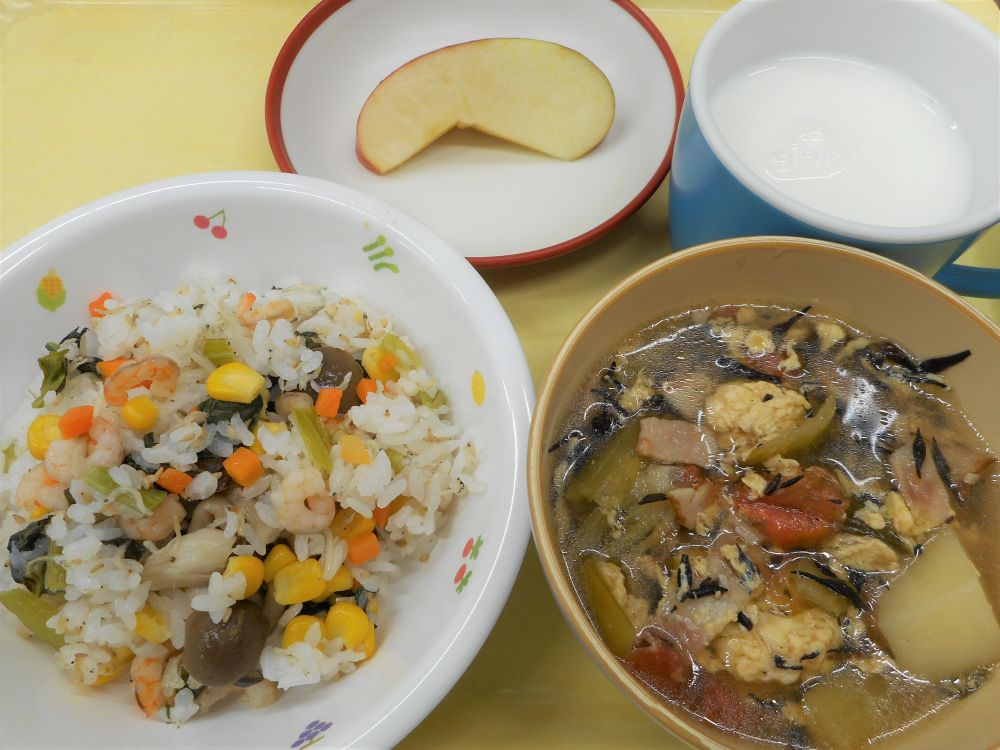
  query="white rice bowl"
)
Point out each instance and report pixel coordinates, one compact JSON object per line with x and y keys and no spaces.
{"x":436,"y":604}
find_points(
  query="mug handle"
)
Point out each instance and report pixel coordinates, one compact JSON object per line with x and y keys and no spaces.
{"x":970,"y":281}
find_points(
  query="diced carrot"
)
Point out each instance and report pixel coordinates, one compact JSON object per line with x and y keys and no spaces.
{"x":387,"y":363}
{"x":108,"y":367}
{"x":381,"y":515}
{"x":174,"y":481}
{"x":244,"y":467}
{"x":362,"y":548}
{"x":365,"y":386}
{"x":96,"y":306}
{"x":328,"y":402}
{"x":76,"y":421}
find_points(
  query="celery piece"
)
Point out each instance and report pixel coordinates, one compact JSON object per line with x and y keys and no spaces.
{"x":435,"y":402}
{"x":100,"y":479}
{"x":401,"y":357}
{"x":612,"y":621}
{"x":397,"y":460}
{"x":55,"y":574}
{"x":218,"y":351}
{"x":33,"y":612}
{"x":609,"y":474}
{"x":9,"y":454}
{"x":807,"y":435}
{"x":314,"y":437}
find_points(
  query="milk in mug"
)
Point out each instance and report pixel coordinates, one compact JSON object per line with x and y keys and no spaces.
{"x":848,"y":138}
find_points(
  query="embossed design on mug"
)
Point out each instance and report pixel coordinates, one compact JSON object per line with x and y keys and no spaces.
{"x":809,"y":155}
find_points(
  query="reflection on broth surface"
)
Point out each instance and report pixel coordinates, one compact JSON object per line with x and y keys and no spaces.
{"x":783,"y":525}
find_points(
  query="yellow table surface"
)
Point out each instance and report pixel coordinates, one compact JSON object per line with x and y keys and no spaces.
{"x":100,"y":95}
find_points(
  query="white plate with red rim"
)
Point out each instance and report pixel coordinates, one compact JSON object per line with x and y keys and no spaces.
{"x":497,"y":203}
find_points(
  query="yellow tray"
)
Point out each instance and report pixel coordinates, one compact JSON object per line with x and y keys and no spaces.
{"x":100,"y":95}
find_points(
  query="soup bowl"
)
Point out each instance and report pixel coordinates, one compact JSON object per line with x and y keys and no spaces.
{"x":871,"y":292}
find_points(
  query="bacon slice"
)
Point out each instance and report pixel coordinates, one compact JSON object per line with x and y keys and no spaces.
{"x":672,"y":441}
{"x":926,"y":495}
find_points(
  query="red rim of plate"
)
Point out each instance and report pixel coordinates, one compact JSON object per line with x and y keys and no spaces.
{"x":326,"y":8}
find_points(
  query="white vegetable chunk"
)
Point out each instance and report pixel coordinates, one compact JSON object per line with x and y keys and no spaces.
{"x":936,"y":617}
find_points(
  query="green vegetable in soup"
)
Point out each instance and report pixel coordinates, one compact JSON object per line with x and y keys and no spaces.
{"x":612,"y":621}
{"x":806,"y":436}
{"x":33,"y":612}
{"x":608,"y":477}
{"x":845,"y":710}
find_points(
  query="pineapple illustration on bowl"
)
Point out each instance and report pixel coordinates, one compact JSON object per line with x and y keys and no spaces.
{"x":50,"y":293}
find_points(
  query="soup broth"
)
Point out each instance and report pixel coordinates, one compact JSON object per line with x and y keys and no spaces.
{"x":763,"y":509}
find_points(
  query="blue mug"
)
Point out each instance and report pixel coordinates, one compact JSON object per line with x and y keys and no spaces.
{"x":717,"y":192}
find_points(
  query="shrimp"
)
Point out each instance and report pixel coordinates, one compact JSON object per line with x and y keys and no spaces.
{"x":157,"y":373}
{"x":249,"y":315}
{"x":146,"y":674}
{"x":66,"y":460}
{"x":38,"y":488}
{"x":155,"y":527}
{"x":302,"y":504}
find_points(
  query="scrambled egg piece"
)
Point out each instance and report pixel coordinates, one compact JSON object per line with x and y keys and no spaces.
{"x":751,"y":412}
{"x":830,"y":334}
{"x":785,"y":650}
{"x":862,"y":552}
{"x":897,"y":512}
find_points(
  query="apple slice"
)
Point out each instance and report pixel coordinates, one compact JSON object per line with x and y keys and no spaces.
{"x":538,"y":94}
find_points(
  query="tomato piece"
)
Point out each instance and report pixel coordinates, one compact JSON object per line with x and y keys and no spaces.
{"x":787,"y":528}
{"x":661,"y":666}
{"x":800,"y":516}
{"x":818,"y":494}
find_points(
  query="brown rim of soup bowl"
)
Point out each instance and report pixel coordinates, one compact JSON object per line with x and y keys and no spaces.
{"x":571,"y":366}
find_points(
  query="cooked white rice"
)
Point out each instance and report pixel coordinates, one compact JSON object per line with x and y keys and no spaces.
{"x":106,"y":589}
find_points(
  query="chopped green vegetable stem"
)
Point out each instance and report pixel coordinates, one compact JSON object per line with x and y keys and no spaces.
{"x":219,"y":352}
{"x":804,"y":437}
{"x":314,"y":436}
{"x":33,"y":612}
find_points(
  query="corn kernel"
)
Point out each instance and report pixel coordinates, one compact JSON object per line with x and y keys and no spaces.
{"x":353,"y":451}
{"x":299,"y":582}
{"x":234,"y":381}
{"x":252,"y":569}
{"x":348,"y":621}
{"x":151,"y":625}
{"x":297,"y":629}
{"x":279,"y":557}
{"x":274,"y":428}
{"x":111,"y":669}
{"x":368,"y":646}
{"x":348,"y":524}
{"x":42,"y":432}
{"x":140,"y":413}
{"x":341,"y":581}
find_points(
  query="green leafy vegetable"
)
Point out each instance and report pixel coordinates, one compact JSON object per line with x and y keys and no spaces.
{"x":55,"y":366}
{"x":799,"y":439}
{"x":222,"y":411}
{"x":29,"y":552}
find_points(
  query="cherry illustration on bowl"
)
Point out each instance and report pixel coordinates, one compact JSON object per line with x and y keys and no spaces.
{"x":219,"y":230}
